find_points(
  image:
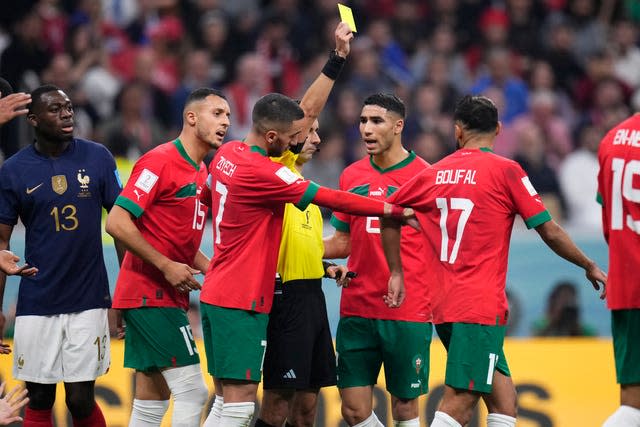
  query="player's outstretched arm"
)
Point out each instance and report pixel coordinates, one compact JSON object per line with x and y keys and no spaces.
{"x":11,"y":403}
{"x":343,"y":201}
{"x":121,"y":226}
{"x":559,"y":241}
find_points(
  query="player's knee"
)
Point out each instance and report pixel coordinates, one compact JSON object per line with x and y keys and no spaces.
{"x":304,"y":416}
{"x":275,"y":406}
{"x":41,"y":396}
{"x":80,"y":405}
{"x":354,"y":412}
{"x":189,"y":393}
{"x":404,"y":409}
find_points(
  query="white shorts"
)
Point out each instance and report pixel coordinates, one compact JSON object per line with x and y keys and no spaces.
{"x":72,"y":347}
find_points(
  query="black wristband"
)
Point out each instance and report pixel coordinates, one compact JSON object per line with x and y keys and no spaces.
{"x":326,"y":265}
{"x":334,"y":65}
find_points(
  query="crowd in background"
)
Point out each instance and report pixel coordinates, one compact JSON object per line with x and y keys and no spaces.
{"x":561,"y":71}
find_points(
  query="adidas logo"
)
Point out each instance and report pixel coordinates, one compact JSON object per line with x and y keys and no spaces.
{"x":290,"y":374}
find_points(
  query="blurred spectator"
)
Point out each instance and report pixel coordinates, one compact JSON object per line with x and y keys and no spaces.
{"x":367,"y":76}
{"x":198,"y":73}
{"x":578,"y":180}
{"x":91,"y":69}
{"x":599,"y":68}
{"x":524,"y":26}
{"x":560,"y":55}
{"x":439,"y":75}
{"x":499,"y":75}
{"x":431,"y":146}
{"x":590,"y":25}
{"x":531,"y":155}
{"x":250,"y":83}
{"x":214,"y":35}
{"x":427,"y":115}
{"x":393,"y":60}
{"x":155,"y":99}
{"x":543,"y":113}
{"x":27,"y":55}
{"x":506,"y":142}
{"x":442,"y":44}
{"x":276,"y":50}
{"x":562,"y":318}
{"x":131,"y":132}
{"x":543,"y":78}
{"x":626,"y":53}
{"x":54,"y":25}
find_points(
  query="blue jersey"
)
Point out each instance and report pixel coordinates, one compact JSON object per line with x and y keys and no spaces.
{"x":60,"y":201}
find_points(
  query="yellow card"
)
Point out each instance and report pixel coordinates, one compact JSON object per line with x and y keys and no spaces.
{"x":346,"y":15}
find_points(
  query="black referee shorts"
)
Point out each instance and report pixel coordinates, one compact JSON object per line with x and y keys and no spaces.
{"x":300,"y":351}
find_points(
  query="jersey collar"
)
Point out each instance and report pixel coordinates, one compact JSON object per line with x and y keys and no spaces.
{"x":399,"y":165}
{"x":184,"y":154}
{"x":256,"y":149}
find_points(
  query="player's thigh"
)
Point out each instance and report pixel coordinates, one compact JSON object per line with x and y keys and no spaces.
{"x":236,"y":342}
{"x":37,"y":349}
{"x":625,"y":330}
{"x":358,"y":353}
{"x":473,"y":353}
{"x":158,"y":337}
{"x":405,"y":348}
{"x":87,"y":346}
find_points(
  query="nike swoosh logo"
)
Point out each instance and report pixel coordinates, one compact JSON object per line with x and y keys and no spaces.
{"x":31,"y":190}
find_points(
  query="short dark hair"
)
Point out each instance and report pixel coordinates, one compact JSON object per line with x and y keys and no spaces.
{"x":36,"y":95}
{"x":201,"y":93}
{"x":387,"y":100}
{"x":476,"y":113}
{"x":275,"y":111}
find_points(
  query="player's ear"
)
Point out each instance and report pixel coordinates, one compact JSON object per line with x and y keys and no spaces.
{"x":190,"y":117}
{"x":271,"y":136}
{"x":32,"y":119}
{"x":397,"y":129}
{"x":498,"y":128}
{"x":457,"y":131}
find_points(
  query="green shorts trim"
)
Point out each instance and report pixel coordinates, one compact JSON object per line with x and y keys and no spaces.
{"x":158,"y":337}
{"x":474,"y":352}
{"x":625,"y":330}
{"x":234,"y":341}
{"x":363,"y":345}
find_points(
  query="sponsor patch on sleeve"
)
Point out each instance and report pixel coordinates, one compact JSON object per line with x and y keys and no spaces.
{"x":527,"y":184}
{"x":146,"y":180}
{"x":286,"y":175}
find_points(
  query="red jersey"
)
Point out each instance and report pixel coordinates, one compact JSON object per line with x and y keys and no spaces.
{"x":363,"y":297}
{"x":619,"y":193}
{"x":466,"y":204}
{"x":162,"y":193}
{"x":248,"y":195}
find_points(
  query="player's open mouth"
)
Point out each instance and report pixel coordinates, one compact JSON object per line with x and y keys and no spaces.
{"x":67,"y":129}
{"x":221,"y":133}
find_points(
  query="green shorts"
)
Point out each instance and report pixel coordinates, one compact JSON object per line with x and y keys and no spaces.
{"x":363,"y":345}
{"x":235,"y":342}
{"x":625,"y":330}
{"x":473,"y":353}
{"x":158,"y":337}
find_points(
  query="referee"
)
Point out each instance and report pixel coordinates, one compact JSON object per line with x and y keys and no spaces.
{"x":298,"y":318}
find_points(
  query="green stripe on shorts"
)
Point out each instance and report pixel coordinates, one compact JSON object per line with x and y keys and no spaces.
{"x":235,"y":341}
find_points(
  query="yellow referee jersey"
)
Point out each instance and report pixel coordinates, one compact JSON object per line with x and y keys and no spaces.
{"x":301,"y":248}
